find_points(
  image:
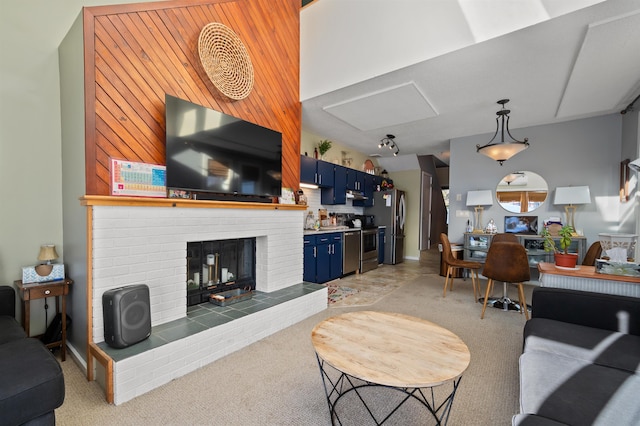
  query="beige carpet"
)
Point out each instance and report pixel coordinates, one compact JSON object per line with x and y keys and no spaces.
{"x":276,"y":380}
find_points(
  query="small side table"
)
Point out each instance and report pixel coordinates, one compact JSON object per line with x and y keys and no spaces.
{"x":58,"y":289}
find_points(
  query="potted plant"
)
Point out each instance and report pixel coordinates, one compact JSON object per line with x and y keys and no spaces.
{"x":323,"y":147}
{"x":562,"y":257}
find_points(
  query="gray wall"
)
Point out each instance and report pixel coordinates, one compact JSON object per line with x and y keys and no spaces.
{"x":73,"y":180}
{"x":580,"y":152}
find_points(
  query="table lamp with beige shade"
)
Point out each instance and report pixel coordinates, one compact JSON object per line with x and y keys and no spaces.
{"x":47,"y":255}
{"x":479,"y":199}
{"x":571,"y":196}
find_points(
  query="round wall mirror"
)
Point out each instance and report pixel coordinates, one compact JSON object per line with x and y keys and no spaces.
{"x":521,"y":192}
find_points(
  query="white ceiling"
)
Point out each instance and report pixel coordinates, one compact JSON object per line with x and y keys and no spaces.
{"x":558,"y":60}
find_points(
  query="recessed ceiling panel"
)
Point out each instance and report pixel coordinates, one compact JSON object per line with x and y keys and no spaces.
{"x":607,"y":67}
{"x":388,"y":107}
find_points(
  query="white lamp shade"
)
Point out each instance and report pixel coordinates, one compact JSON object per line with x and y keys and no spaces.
{"x":480,"y":198}
{"x":572,"y":195}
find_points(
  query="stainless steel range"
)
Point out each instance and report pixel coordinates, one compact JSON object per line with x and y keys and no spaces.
{"x":369,"y":250}
{"x":367,"y":247}
{"x":369,"y":256}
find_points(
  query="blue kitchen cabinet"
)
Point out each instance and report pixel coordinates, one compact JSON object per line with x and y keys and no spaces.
{"x":381,"y":241}
{"x":368,"y":188}
{"x":309,"y":263}
{"x":316,"y":172}
{"x":325,"y":173}
{"x":325,"y":257}
{"x":355,"y":180}
{"x":308,"y":169}
{"x":337,"y":194}
{"x":336,"y":257}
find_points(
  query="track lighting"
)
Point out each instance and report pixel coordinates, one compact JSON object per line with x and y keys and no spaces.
{"x":390,"y":143}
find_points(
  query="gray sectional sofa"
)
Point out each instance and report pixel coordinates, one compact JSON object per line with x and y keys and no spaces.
{"x":31,"y":379}
{"x":581,"y":360}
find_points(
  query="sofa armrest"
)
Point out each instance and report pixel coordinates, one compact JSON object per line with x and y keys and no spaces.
{"x":598,"y":310}
{"x":7,"y":301}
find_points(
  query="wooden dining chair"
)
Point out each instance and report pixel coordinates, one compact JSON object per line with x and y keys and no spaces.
{"x":453,"y":264}
{"x":504,"y":238}
{"x":507,"y":262}
{"x":594,"y":252}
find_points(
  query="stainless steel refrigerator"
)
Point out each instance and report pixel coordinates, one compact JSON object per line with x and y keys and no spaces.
{"x":389,"y":210}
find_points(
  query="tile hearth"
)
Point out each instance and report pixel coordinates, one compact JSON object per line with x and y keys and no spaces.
{"x":206,"y":334}
{"x":206,"y":316}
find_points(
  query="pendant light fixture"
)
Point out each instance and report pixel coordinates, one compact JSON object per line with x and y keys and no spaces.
{"x":502,"y":150}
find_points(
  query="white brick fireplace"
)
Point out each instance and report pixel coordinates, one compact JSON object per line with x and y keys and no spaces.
{"x":141,"y":245}
{"x":138,"y":244}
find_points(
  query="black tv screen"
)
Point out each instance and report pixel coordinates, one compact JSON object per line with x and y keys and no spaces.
{"x":212,"y":152}
{"x":521,"y":224}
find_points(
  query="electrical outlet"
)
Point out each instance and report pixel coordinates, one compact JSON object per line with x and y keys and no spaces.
{"x":458,"y":197}
{"x":463,"y":213}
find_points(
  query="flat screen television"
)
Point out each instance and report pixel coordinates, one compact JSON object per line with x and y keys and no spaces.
{"x":219,"y":156}
{"x":521,"y":224}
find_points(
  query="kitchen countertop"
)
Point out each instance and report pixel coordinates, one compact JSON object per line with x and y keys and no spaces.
{"x":329,"y":229}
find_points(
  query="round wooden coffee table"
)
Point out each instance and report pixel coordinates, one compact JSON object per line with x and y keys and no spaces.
{"x":407,"y":354}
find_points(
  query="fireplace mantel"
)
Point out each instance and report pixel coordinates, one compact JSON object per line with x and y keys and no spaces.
{"x":105,"y":200}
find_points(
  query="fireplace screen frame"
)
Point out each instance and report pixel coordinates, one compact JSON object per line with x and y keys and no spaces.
{"x":214,"y":266}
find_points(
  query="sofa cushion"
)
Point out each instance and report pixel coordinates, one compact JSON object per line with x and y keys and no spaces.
{"x":577,"y":392}
{"x":598,"y":310}
{"x":7,"y":301}
{"x":601,"y":347}
{"x":32,"y":382}
{"x":533,"y":420}
{"x":10,"y":330}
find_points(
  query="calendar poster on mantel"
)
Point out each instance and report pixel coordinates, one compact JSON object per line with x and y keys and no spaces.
{"x":129,"y":178}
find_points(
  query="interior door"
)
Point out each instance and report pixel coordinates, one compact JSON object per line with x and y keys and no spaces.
{"x":425,"y":211}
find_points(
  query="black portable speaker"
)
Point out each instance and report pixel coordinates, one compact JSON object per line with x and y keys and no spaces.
{"x":127,"y":315}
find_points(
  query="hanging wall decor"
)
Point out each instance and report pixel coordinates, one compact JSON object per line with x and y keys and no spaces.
{"x":226,"y":60}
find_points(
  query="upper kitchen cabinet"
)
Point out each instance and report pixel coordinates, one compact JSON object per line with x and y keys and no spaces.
{"x":316,"y":172}
{"x":337,"y":194}
{"x":369,"y":187}
{"x":355,"y":180}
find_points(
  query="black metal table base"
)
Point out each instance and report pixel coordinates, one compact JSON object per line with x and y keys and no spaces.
{"x":338,"y":384}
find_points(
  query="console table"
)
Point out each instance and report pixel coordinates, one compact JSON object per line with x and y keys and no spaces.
{"x":585,"y":278}
{"x":476,"y":247}
{"x":358,"y":350}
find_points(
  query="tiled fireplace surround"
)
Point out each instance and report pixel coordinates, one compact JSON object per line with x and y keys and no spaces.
{"x":134,"y":245}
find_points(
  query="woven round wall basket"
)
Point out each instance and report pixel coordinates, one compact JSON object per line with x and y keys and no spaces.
{"x":225,"y":60}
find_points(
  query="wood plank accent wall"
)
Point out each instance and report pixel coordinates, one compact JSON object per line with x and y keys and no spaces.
{"x":136,"y":53}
